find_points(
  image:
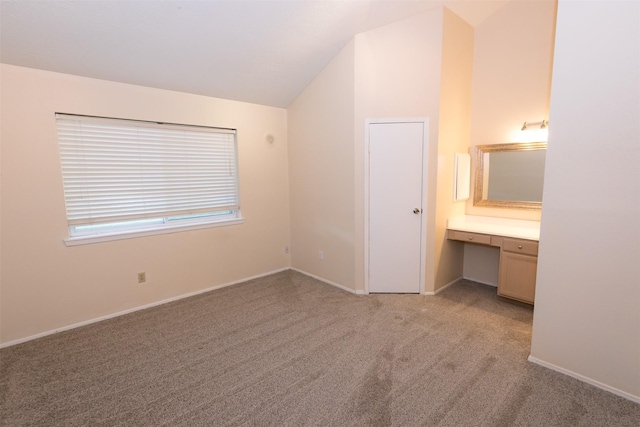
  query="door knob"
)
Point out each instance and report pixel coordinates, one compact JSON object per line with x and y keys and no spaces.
{"x":416,"y":211}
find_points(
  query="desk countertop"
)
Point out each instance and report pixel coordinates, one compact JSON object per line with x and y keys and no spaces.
{"x":516,"y":228}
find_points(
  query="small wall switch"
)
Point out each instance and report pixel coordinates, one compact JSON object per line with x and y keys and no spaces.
{"x":286,"y":249}
{"x":142,"y":277}
{"x":320,"y":255}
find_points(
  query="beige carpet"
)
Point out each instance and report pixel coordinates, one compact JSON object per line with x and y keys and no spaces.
{"x":287,"y":350}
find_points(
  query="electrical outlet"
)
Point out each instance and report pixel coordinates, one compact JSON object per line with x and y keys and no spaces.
{"x":142,"y":277}
{"x":286,"y":249}
{"x":320,"y":255}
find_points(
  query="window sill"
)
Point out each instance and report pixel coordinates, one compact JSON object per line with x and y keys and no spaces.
{"x":86,"y":240}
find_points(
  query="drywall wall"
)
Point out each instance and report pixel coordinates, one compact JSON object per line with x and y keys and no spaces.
{"x":46,"y":285}
{"x":481,"y":264}
{"x":1,"y":205}
{"x":513,"y":57}
{"x":453,"y":137}
{"x":321,"y":129}
{"x":587,"y":317}
{"x":397,"y":75}
{"x":512,"y":64}
{"x":395,"y":71}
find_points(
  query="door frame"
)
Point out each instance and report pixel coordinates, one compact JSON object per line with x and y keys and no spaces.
{"x":425,"y":157}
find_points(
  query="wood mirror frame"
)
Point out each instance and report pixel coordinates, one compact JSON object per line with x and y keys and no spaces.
{"x":479,"y":198}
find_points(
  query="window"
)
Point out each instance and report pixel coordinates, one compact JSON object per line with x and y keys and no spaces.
{"x":126,"y":178}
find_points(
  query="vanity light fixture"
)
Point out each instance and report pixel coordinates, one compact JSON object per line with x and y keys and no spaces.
{"x":543,"y":124}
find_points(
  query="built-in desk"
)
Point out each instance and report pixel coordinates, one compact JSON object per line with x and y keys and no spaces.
{"x":518,"y":243}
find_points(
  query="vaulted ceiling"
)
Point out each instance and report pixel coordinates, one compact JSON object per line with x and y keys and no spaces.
{"x":264,"y":52}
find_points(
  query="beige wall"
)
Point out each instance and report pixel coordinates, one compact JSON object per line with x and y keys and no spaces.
{"x":587,"y":313}
{"x":513,"y":57}
{"x":398,"y":69}
{"x":1,"y":184}
{"x":46,"y":285}
{"x":481,"y":264}
{"x":395,"y":71}
{"x":321,"y":128}
{"x":453,"y":137}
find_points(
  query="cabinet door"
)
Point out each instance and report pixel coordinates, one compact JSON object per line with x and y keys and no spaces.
{"x":517,"y":276}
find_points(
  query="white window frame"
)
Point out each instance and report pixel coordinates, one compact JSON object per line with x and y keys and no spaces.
{"x":95,"y":229}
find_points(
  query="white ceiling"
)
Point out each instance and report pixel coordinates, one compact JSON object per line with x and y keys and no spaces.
{"x":264,"y":52}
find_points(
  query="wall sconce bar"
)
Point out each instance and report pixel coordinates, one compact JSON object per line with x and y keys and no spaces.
{"x":543,"y":124}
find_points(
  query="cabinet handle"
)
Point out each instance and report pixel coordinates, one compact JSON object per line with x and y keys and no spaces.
{"x":470,"y":237}
{"x":519,"y":246}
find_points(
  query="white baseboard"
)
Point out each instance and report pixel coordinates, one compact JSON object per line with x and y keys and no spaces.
{"x":587,"y":380}
{"x":453,"y":282}
{"x":480,"y":281}
{"x":132,"y":310}
{"x":329,"y":282}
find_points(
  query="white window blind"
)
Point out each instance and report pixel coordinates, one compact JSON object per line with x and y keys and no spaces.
{"x":122,"y":170}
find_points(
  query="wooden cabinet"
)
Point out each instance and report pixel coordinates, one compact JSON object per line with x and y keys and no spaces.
{"x":518,"y":265}
{"x":518,"y":262}
{"x":465,"y":236}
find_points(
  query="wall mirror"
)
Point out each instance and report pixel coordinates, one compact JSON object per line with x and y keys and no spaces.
{"x":510,"y":175}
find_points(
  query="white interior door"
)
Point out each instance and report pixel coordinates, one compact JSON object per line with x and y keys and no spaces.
{"x":395,"y":206}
